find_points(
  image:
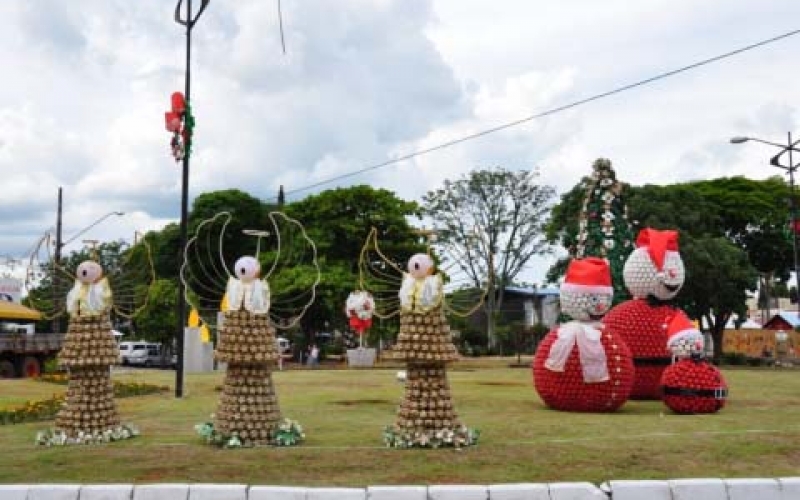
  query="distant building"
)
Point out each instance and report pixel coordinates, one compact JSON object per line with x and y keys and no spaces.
{"x":532,"y":304}
{"x":783,"y":320}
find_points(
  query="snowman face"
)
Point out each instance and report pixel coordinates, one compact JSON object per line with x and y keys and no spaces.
{"x":89,"y":271}
{"x":420,"y":265}
{"x":360,"y":304}
{"x":643,"y":279}
{"x":247,"y":269}
{"x":585,"y":306}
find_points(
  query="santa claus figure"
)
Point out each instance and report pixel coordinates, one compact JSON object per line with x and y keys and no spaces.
{"x":582,"y":365}
{"x":692,"y":384}
{"x":653,"y":274}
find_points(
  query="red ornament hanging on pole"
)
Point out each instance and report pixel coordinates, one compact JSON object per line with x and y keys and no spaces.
{"x":180,"y":122}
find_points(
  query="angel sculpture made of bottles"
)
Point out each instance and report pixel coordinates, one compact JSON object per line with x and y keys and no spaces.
{"x":426,"y":416}
{"x":106,"y":286}
{"x":248,"y":413}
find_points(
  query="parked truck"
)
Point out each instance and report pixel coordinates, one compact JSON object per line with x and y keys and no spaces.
{"x":23,"y":352}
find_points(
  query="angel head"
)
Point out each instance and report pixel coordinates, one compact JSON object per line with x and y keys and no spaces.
{"x":655,"y":267}
{"x":586,"y":293}
{"x":89,"y":272}
{"x":247,"y":269}
{"x":420,"y":265}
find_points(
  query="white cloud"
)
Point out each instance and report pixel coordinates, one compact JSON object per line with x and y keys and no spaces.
{"x":85,"y":88}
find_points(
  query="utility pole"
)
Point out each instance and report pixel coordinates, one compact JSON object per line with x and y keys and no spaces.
{"x":188,"y":22}
{"x":57,"y":259}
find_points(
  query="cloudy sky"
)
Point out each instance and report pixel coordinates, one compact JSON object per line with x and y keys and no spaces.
{"x":85,"y":86}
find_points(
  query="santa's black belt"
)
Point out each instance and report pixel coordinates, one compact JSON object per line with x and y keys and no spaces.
{"x":652,"y":361}
{"x":720,"y":393}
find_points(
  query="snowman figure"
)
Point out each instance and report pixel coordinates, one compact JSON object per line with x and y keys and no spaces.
{"x":654,"y":274}
{"x":691,"y":385}
{"x":582,"y":365}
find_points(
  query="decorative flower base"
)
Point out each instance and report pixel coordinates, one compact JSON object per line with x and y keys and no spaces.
{"x":58,"y":437}
{"x":285,"y":433}
{"x":567,"y":391}
{"x":456,"y":437}
{"x":694,"y":386}
{"x":426,"y":417}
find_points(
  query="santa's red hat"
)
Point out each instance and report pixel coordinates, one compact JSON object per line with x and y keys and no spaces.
{"x":589,"y":275}
{"x":658,"y":243}
{"x":680,"y":327}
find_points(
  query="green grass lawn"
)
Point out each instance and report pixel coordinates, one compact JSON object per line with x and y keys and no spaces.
{"x":343,"y":412}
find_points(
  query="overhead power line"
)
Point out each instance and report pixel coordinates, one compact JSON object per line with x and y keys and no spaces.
{"x":548,"y":112}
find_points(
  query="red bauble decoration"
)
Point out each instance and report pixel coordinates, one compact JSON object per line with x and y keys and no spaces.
{"x":172,"y":121}
{"x":694,"y":386}
{"x":644,"y":329}
{"x":567,"y":390}
{"x":359,"y":325}
{"x":178,"y":103}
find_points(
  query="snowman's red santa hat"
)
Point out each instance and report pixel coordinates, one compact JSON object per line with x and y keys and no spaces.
{"x":657,"y":243}
{"x":589,"y":275}
{"x":680,"y":328}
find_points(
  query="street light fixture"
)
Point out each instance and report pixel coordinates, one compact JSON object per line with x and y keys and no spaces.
{"x":775,"y":161}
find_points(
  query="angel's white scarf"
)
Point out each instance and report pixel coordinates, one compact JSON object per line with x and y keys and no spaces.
{"x":89,"y":299}
{"x":252,"y":296}
{"x":590,"y":349}
{"x":420,"y":295}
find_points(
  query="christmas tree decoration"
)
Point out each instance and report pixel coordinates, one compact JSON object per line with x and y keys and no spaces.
{"x":427,"y":416}
{"x":581,"y":365}
{"x":693,"y":385}
{"x":604,"y":229}
{"x":654,"y":274}
{"x":248,"y":412}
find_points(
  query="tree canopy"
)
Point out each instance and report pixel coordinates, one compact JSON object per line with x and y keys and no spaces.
{"x":490,"y":223}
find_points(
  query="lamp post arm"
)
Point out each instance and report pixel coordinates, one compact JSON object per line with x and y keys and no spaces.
{"x":93,"y":224}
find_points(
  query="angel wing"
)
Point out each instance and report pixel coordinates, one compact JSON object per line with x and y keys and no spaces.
{"x":47,"y":281}
{"x":130,"y":273}
{"x":294,"y":272}
{"x":127,"y":276}
{"x":204,"y":271}
{"x":466,"y":282}
{"x":287,"y":256}
{"x":380,"y":276}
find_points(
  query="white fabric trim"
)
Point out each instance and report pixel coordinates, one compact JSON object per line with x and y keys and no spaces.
{"x":590,"y":349}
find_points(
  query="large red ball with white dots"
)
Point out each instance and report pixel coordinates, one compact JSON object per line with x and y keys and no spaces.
{"x":693,"y":386}
{"x":567,"y":390}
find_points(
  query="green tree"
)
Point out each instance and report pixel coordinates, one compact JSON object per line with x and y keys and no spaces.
{"x":489,"y":224}
{"x":339,"y":221}
{"x":157,"y":321}
{"x":718,"y":274}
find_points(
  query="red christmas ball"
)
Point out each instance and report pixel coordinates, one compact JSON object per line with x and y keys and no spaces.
{"x":694,"y":386}
{"x":644,"y":329}
{"x":567,"y":390}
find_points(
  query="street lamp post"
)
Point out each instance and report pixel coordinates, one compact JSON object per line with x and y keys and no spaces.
{"x":188,"y":22}
{"x":775,"y":161}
